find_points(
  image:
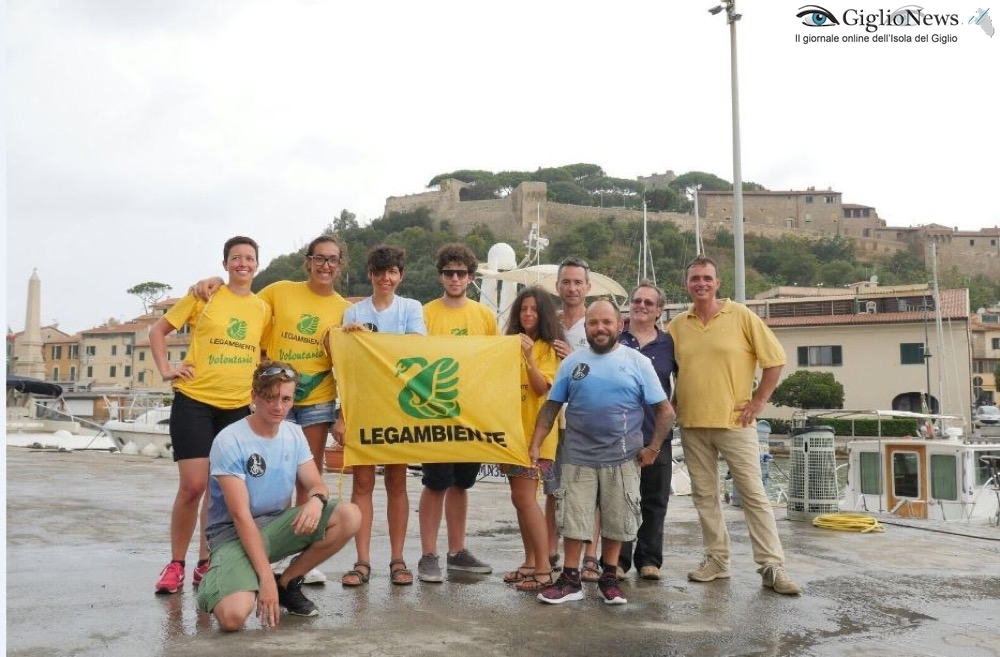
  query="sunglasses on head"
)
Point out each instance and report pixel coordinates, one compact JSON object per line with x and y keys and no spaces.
{"x":275,"y":370}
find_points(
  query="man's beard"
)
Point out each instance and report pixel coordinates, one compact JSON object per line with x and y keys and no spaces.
{"x":602,"y":349}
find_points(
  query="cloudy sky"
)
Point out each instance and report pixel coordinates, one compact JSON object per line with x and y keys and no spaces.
{"x":141,"y":135}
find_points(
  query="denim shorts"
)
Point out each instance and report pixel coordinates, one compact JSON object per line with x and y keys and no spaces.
{"x":310,"y":414}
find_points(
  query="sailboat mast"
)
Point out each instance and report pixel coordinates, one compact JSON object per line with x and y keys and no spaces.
{"x":938,"y":325}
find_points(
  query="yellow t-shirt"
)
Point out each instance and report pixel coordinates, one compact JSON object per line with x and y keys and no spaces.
{"x":473,"y":318}
{"x":226,"y":334}
{"x":300,"y":320}
{"x":716,"y":363}
{"x":546,"y":362}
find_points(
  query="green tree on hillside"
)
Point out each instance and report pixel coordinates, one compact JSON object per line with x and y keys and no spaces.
{"x":709,"y":182}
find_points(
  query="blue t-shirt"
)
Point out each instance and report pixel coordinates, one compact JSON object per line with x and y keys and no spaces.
{"x":268,"y":467}
{"x":604,"y":396}
{"x":402,"y":316}
{"x":660,"y":352}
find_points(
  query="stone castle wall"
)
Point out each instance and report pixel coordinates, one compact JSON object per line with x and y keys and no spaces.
{"x":769,"y":214}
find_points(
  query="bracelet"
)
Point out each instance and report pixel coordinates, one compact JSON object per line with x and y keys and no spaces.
{"x":655,"y":451}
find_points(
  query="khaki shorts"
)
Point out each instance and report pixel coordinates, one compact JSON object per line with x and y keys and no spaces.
{"x":614,"y":488}
{"x":230,"y":570}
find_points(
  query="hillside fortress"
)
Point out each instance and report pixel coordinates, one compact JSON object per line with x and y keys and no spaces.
{"x":810,"y":213}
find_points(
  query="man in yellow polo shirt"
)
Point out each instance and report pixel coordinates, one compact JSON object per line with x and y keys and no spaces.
{"x":718,"y":345}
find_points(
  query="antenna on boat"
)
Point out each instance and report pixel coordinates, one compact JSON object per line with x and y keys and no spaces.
{"x":535,"y":244}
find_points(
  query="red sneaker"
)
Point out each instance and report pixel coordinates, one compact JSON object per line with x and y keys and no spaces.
{"x":171,"y":578}
{"x":199,"y":573}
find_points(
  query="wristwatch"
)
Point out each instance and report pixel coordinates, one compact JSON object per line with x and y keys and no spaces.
{"x":321,"y":497}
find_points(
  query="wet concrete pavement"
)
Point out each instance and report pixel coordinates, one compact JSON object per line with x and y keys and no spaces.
{"x":87,"y":537}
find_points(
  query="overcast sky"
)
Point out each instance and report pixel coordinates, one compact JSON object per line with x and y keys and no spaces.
{"x":143,"y":134}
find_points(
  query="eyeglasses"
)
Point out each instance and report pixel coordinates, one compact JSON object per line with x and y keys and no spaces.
{"x":319,"y":261}
{"x":454,"y":273}
{"x":275,"y":370}
{"x":649,"y":303}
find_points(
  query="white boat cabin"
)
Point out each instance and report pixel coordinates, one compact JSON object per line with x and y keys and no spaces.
{"x":942,"y":479}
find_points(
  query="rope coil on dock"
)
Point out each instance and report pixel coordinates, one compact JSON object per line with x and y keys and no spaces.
{"x":848,"y":522}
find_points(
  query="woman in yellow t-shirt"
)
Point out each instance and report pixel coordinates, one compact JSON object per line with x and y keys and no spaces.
{"x":302,"y":313}
{"x":211,"y":390}
{"x":533,"y":317}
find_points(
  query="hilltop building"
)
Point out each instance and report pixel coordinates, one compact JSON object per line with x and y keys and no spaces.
{"x":809,"y":213}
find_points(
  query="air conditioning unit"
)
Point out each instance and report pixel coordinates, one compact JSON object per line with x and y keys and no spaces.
{"x":871,"y":308}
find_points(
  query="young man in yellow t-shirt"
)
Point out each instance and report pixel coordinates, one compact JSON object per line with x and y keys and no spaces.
{"x":446,"y":485}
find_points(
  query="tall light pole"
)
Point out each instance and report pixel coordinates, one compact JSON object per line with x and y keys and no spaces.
{"x":731,"y":17}
{"x":693,"y":191}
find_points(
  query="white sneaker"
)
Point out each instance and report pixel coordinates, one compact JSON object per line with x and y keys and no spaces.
{"x":312,"y":577}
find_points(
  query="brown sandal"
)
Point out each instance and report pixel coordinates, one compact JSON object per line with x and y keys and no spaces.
{"x":401,"y":576}
{"x":591,"y":571}
{"x":355,"y":577}
{"x":535,"y":582}
{"x":522,"y":573}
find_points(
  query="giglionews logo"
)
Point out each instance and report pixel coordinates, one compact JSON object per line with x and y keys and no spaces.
{"x":908,"y":17}
{"x":431,"y":391}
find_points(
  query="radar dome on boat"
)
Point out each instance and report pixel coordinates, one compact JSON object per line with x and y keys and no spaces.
{"x":501,"y":257}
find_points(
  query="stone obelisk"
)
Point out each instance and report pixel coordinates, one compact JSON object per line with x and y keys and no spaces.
{"x":29,"y":348}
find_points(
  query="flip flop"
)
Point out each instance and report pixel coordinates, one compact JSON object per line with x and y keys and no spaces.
{"x":355,"y":577}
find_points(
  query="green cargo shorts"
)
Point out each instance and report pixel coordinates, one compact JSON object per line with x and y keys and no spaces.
{"x":230,"y":570}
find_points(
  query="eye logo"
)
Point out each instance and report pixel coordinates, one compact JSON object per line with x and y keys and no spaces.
{"x":431,"y":392}
{"x":308,"y":324}
{"x":237,"y":329}
{"x":907,"y":15}
{"x":816,"y":16}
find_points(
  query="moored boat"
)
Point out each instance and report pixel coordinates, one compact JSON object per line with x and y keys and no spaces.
{"x":948,"y":477}
{"x":36,"y":418}
{"x":147,"y":433}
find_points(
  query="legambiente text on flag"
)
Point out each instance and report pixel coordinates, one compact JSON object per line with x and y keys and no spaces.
{"x":429,"y":399}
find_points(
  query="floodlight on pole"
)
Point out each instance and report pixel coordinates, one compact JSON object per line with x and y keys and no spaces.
{"x":731,"y":18}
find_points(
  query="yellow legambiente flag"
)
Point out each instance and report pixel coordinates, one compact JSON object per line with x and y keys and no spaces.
{"x":427,"y":399}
